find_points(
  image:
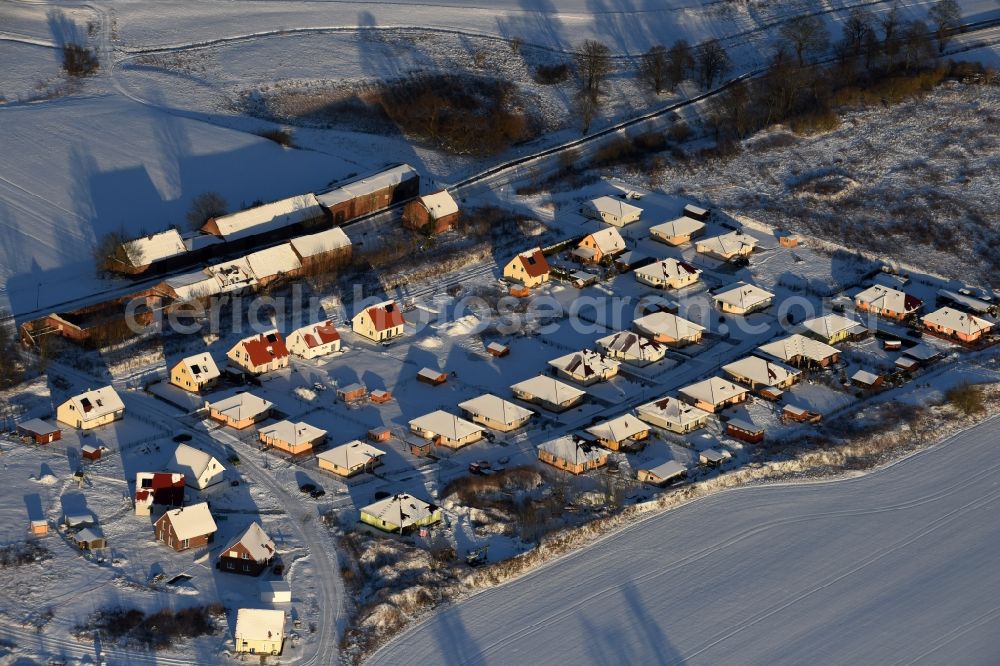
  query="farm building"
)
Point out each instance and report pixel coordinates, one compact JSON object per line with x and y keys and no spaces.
{"x":250,"y":553}
{"x":713,"y":457}
{"x":349,"y":459}
{"x":298,"y":210}
{"x":352,"y":392}
{"x":757,"y":373}
{"x":742,"y":299}
{"x":433,"y":213}
{"x":696,"y":212}
{"x":892,"y":345}
{"x":595,"y":247}
{"x":631,"y":260}
{"x":233,"y":276}
{"x":90,"y":538}
{"x":887,"y":302}
{"x":727,"y":246}
{"x":446,"y":429}
{"x":799,"y":415}
{"x":293,"y":438}
{"x":200,"y":469}
{"x":195,"y":373}
{"x":382,"y":321}
{"x":572,"y":454}
{"x":186,"y":527}
{"x":923,"y":353}
{"x":673,"y":415}
{"x":260,"y":353}
{"x":677,"y":232}
{"x":191,"y":286}
{"x":40,"y":432}
{"x":833,"y":328}
{"x":141,"y":253}
{"x":714,"y":393}
{"x":400,"y":513}
{"x":668,"y":274}
{"x":802,"y":352}
{"x":495,"y":412}
{"x":662,"y":475}
{"x":612,"y":210}
{"x":157,"y":488}
{"x":529,"y":268}
{"x":632,"y":348}
{"x":372,"y":193}
{"x":623,"y":432}
{"x":431,"y":376}
{"x":744,"y":430}
{"x":581,"y":279}
{"x":91,"y":409}
{"x":259,"y":631}
{"x":585,"y":367}
{"x":497,"y":350}
{"x":326,"y":249}
{"x":274,"y":263}
{"x":669,"y":329}
{"x":314,"y":340}
{"x":866,"y":380}
{"x":240,"y":411}
{"x":550,"y":393}
{"x":957,"y":325}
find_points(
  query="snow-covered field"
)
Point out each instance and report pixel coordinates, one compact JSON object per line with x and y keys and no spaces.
{"x":896,"y":566}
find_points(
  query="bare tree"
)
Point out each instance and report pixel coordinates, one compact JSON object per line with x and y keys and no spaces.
{"x":947,"y":17}
{"x":890,"y":23}
{"x":653,"y":68}
{"x":712,"y":61}
{"x":11,"y":366}
{"x":807,"y":35}
{"x":860,"y":24}
{"x":109,"y":253}
{"x":205,"y":206}
{"x":916,"y":43}
{"x":593,"y":64}
{"x":586,"y":108}
{"x":680,"y":63}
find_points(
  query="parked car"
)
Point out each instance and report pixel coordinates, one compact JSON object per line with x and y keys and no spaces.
{"x":307,"y":487}
{"x":316,"y":494}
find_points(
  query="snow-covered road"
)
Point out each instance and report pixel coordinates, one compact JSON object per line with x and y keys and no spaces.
{"x":898,"y":566}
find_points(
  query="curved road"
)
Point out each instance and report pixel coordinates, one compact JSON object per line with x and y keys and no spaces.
{"x":898,"y":566}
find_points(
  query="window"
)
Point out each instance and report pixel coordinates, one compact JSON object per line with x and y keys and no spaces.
{"x":245,"y":556}
{"x":185,"y":543}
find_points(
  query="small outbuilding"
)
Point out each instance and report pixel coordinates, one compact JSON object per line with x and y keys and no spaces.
{"x":91,"y":452}
{"x":380,"y":396}
{"x":866,"y":380}
{"x":799,"y":415}
{"x":90,"y":538}
{"x":744,"y":430}
{"x":432,"y":376}
{"x":697,"y":212}
{"x":352,"y":393}
{"x":275,"y":592}
{"x":662,"y":475}
{"x":41,"y":432}
{"x":713,"y":457}
{"x":497,"y":350}
{"x":433,"y":213}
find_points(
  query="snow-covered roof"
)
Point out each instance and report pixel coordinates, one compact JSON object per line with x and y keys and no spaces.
{"x":262,"y":348}
{"x":148,"y":249}
{"x":744,"y":296}
{"x":88,"y":534}
{"x":97,"y":403}
{"x":367,"y":185}
{"x":921,"y":352}
{"x":956,"y":320}
{"x":241,"y":406}
{"x":614,"y":206}
{"x":633,"y":345}
{"x":268,"y":217}
{"x":430,"y":373}
{"x":191,"y":461}
{"x":351,"y":454}
{"x":665,"y":323}
{"x":402,"y":509}
{"x":682,"y":226}
{"x":760,"y":371}
{"x":741,"y":424}
{"x":201,"y":366}
{"x":192,"y":521}
{"x":668,"y":470}
{"x":446,"y":425}
{"x":667,"y":270}
{"x":274,"y":261}
{"x":672,"y":410}
{"x":735,"y":242}
{"x":293,"y":433}
{"x":714,"y":390}
{"x":38,"y":427}
{"x":695,"y":210}
{"x":830,"y":325}
{"x":255,"y":540}
{"x":439,"y":204}
{"x":324,"y":241}
{"x":608,"y":240}
{"x":573,"y":450}
{"x":797,"y":345}
{"x":259,"y":624}
{"x":887,"y":298}
{"x":233,"y":275}
{"x":196,"y":284}
{"x":315,"y":335}
{"x":864,"y":377}
{"x":495,"y":408}
{"x":619,"y":429}
{"x":585,"y":364}
{"x":714,"y":455}
{"x":548,"y":389}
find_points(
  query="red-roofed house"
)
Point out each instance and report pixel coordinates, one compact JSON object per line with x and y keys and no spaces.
{"x":529,"y":268}
{"x":163,"y":488}
{"x":383,"y":321}
{"x":314,"y":340}
{"x":260,"y":353}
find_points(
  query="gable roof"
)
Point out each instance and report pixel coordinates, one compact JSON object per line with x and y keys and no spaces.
{"x":634,"y":345}
{"x":440,"y":204}
{"x":727,"y":244}
{"x":264,"y":347}
{"x":196,"y":284}
{"x":97,"y":403}
{"x":613,"y":206}
{"x":668,"y":470}
{"x":957,"y":320}
{"x":351,"y":454}
{"x":293,"y":433}
{"x":232,"y":275}
{"x":191,"y":521}
{"x":38,"y":427}
{"x":743,"y":295}
{"x":241,"y":406}
{"x":386,"y":315}
{"x":548,"y":389}
{"x":618,"y":429}
{"x":202,"y":367}
{"x":255,"y":540}
{"x":760,"y":370}
{"x":672,"y":410}
{"x":402,"y":506}
{"x":682,"y":226}
{"x":316,"y":335}
{"x":325,"y":241}
{"x":830,"y":325}
{"x":495,"y":408}
{"x":258,"y":624}
{"x":268,"y":217}
{"x":665,"y":323}
{"x":608,"y":240}
{"x":367,"y":185}
{"x":573,"y":450}
{"x":155,"y":247}
{"x":585,"y":363}
{"x":796,"y":345}
{"x":714,"y":390}
{"x":446,"y":425}
{"x":668,"y":269}
{"x":273,"y":261}
{"x":195,"y":462}
{"x":534,"y":262}
{"x":887,"y":298}
{"x":864,"y":377}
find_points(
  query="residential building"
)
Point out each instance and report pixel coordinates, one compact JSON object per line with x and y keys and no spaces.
{"x":383,"y":321}
{"x":195,"y":373}
{"x":186,"y":527}
{"x":157,"y":488}
{"x":668,"y":274}
{"x":349,"y":459}
{"x":240,"y":411}
{"x":612,"y":210}
{"x":293,"y":438}
{"x":727,"y":246}
{"x":314,"y":340}
{"x":622,"y":432}
{"x":956,"y":324}
{"x":572,"y":454}
{"x":260,"y":353}
{"x":714,"y":394}
{"x":742,"y":299}
{"x":433,"y":213}
{"x":400,"y":513}
{"x":200,"y":469}
{"x":495,"y":412}
{"x":802,"y":352}
{"x":595,"y":247}
{"x":586,"y":367}
{"x":887,"y":302}
{"x":677,"y":232}
{"x":548,"y":392}
{"x":662,"y":474}
{"x":757,"y":373}
{"x":446,"y":429}
{"x":673,"y":415}
{"x":259,"y":631}
{"x":632,"y":348}
{"x":529,"y":268}
{"x":250,"y":553}
{"x":833,"y":328}
{"x":669,"y":329}
{"x":91,"y":409}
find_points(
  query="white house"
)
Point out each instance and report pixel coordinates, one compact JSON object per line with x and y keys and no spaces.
{"x":91,"y":409}
{"x":676,"y":232}
{"x":586,"y":367}
{"x":632,"y":348}
{"x":668,"y":274}
{"x":673,"y":415}
{"x":612,"y":210}
{"x":200,"y":469}
{"x":314,"y":340}
{"x":742,"y":299}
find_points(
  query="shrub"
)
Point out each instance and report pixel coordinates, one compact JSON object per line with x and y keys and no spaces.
{"x":549,"y":75}
{"x":814,"y":122}
{"x":968,"y":398}
{"x":679,"y":132}
{"x":79,"y":61}
{"x":282,"y":137}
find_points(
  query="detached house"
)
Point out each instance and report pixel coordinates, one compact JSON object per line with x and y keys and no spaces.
{"x":619,"y":433}
{"x":572,"y":455}
{"x":727,"y":246}
{"x":714,"y":394}
{"x":349,"y":459}
{"x":434,"y":213}
{"x":802,"y":352}
{"x":668,"y":274}
{"x":446,"y":429}
{"x":742,"y":299}
{"x":250,"y":553}
{"x":595,"y":247}
{"x":632,"y":348}
{"x":678,"y":231}
{"x":195,"y":373}
{"x":957,"y":324}
{"x":293,"y":438}
{"x":240,"y":411}
{"x":833,"y":328}
{"x":186,"y":527}
{"x":259,"y":631}
{"x":612,"y":210}
{"x":159,"y":488}
{"x":383,"y":321}
{"x":758,"y":373}
{"x":400,"y":513}
{"x":495,"y":412}
{"x":887,"y":302}
{"x":260,"y":353}
{"x":199,"y":469}
{"x":669,"y":329}
{"x":585,"y":367}
{"x":314,"y":340}
{"x":550,"y":393}
{"x":529,"y":268}
{"x":673,"y":415}
{"x":91,"y":409}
